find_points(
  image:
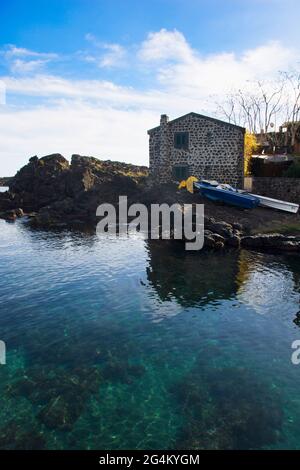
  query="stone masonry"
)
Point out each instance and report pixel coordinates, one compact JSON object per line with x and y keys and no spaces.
{"x":287,"y":189}
{"x":214,"y":149}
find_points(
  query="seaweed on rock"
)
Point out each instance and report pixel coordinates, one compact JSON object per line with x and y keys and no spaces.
{"x":61,"y":393}
{"x":225,"y":408}
{"x":16,"y":436}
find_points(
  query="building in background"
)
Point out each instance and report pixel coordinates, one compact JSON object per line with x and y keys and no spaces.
{"x":197,"y":145}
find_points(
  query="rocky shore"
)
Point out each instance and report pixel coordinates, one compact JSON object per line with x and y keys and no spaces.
{"x":53,"y":193}
{"x":4,"y":181}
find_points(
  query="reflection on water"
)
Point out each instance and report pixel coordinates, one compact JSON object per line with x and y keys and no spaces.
{"x":122,"y":344}
{"x":263,"y":285}
{"x":188,"y":278}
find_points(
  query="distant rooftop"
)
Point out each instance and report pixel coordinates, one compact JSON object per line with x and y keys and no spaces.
{"x":201,"y":116}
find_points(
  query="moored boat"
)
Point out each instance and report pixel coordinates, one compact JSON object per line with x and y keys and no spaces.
{"x":277,"y":203}
{"x":228,"y":195}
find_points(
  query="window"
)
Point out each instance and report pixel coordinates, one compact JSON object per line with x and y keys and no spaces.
{"x":181,"y":140}
{"x":180,"y":172}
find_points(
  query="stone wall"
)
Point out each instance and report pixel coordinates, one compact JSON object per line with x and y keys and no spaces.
{"x":287,"y":189}
{"x":215,"y":149}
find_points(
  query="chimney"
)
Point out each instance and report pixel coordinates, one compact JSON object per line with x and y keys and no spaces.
{"x":164,"y":119}
{"x":164,"y":145}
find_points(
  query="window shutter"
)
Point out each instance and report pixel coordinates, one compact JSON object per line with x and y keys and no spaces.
{"x":181,"y":140}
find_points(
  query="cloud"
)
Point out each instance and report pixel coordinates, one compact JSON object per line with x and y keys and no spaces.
{"x":73,"y":128}
{"x":111,"y":54}
{"x":165,"y":45}
{"x":50,"y":113}
{"x":185,"y":71}
{"x":24,"y":67}
{"x":114,"y":56}
{"x":269,"y":58}
{"x":25,"y":61}
{"x":13,"y":51}
{"x":99,"y":93}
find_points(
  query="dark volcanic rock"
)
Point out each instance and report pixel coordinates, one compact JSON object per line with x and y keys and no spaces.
{"x":54,"y":193}
{"x":272,"y":241}
{"x":8,"y":201}
{"x":213,"y":240}
{"x":63,"y":193}
{"x":11,"y":215}
{"x":5,"y":180}
{"x":234,"y":240}
{"x":222,"y":228}
{"x":40,"y":182}
{"x":82,"y":176}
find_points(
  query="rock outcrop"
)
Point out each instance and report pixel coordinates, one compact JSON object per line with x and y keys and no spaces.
{"x":62,"y":193}
{"x":40,"y":182}
{"x":5,"y":180}
{"x":55,"y":193}
{"x":272,"y":241}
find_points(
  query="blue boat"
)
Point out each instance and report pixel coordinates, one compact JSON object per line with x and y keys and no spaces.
{"x":227,"y":194}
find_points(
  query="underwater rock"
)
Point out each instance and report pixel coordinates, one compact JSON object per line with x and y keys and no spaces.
{"x":60,"y":413}
{"x":89,"y":379}
{"x":227,"y":408}
{"x":14,"y":436}
{"x":40,"y":385}
{"x":121,"y":371}
{"x":22,"y":387}
{"x":62,"y":393}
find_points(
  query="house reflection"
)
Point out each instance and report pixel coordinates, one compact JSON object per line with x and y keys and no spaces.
{"x":191,"y":278}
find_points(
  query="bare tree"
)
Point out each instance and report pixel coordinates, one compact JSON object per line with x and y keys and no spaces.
{"x":270,"y":103}
{"x":229,"y":109}
{"x":292,"y":104}
{"x":255,"y":108}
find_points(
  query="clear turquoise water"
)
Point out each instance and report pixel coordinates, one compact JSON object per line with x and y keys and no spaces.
{"x":130,"y":344}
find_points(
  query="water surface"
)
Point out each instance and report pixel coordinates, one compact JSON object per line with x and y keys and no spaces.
{"x":131,"y":344}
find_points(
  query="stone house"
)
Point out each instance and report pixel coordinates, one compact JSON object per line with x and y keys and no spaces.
{"x":197,"y":145}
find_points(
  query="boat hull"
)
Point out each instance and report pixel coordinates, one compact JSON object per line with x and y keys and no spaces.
{"x":244,"y":201}
{"x":277,"y":204}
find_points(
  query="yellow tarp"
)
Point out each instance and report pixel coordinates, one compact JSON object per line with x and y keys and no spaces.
{"x":188,"y":184}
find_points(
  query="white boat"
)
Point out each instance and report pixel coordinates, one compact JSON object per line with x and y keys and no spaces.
{"x":277,"y":203}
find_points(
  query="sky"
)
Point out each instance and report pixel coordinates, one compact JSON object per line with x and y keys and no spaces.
{"x":91,"y":76}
